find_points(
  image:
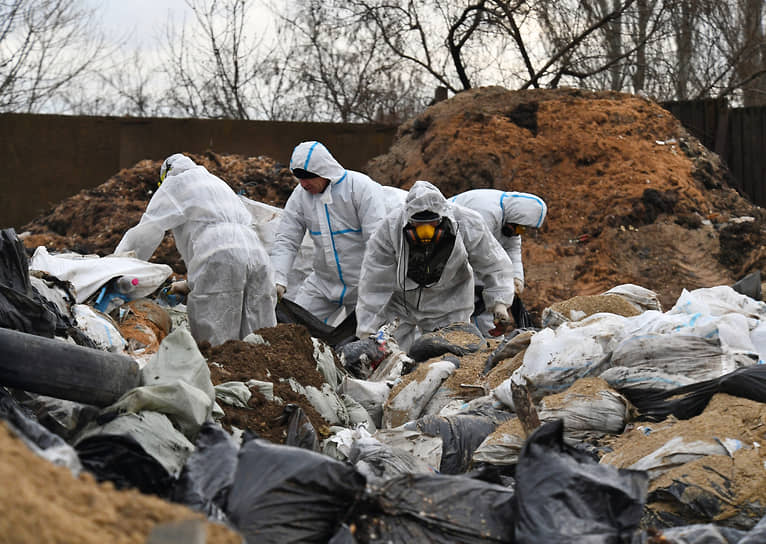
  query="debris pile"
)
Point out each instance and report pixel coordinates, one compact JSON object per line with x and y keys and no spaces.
{"x":632,"y":410}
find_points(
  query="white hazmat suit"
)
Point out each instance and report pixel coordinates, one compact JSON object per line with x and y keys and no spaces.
{"x":386,"y":292}
{"x":501,"y":207}
{"x":229,"y":272}
{"x":498,"y":208}
{"x":340,"y":220}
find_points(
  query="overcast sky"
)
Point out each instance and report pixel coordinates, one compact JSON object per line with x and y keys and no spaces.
{"x":140,"y":21}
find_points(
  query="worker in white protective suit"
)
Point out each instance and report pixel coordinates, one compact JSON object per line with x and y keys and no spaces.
{"x":230,"y":281}
{"x":340,"y":209}
{"x":508,"y":215}
{"x":419,"y":268}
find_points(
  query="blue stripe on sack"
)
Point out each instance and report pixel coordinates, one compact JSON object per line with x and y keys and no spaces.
{"x":335,"y":251}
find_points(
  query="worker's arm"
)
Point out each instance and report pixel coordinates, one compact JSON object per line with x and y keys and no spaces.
{"x":512,"y":247}
{"x":377,"y":279}
{"x":370,"y":205}
{"x":162,"y":214}
{"x":488,"y":259}
{"x":287,"y":241}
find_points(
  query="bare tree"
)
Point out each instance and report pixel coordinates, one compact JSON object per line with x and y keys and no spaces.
{"x":46,"y":47}
{"x":218,"y":67}
{"x":344,"y":71}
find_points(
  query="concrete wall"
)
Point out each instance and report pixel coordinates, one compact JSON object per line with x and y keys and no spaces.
{"x":47,"y":158}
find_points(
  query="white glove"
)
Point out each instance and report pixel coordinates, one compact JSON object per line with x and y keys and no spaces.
{"x":518,"y":286}
{"x":500,"y":315}
{"x":179,"y":288}
{"x":280,"y":291}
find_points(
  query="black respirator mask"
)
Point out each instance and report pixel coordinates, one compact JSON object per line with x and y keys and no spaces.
{"x":511,"y":229}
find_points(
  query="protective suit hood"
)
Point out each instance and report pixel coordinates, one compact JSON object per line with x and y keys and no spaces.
{"x":523,"y":209}
{"x":315,"y":157}
{"x":425,"y":196}
{"x":177,"y":163}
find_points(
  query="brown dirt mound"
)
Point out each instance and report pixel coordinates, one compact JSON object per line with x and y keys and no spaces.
{"x":632,"y":197}
{"x":42,"y":502}
{"x":93,"y":221}
{"x":289,"y":354}
{"x":629,"y":191}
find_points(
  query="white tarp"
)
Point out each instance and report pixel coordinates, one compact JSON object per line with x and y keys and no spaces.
{"x":87,"y":273}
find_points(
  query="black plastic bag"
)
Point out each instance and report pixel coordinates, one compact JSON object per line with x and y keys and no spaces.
{"x":208,"y":474}
{"x":521,"y":316}
{"x":300,"y":432}
{"x":437,"y":508}
{"x":22,"y":307}
{"x":120,"y":459}
{"x":434,"y":344}
{"x":750,"y":285}
{"x":690,"y":400}
{"x":25,"y":423}
{"x":284,"y":494}
{"x":361,"y":357}
{"x":564,"y":495}
{"x":460,"y":434}
{"x":289,"y":312}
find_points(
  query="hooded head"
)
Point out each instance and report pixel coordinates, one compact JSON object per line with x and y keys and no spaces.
{"x":313,"y":158}
{"x":174,"y":165}
{"x":523,"y":209}
{"x":425,"y":202}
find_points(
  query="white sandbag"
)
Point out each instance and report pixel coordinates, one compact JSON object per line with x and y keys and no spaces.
{"x":695,"y":357}
{"x":557,"y":358}
{"x":377,"y":460}
{"x":325,"y":401}
{"x":357,"y":415}
{"x":642,"y":298}
{"x":503,"y":446}
{"x":589,"y":408}
{"x":644,"y":379}
{"x":176,"y":382}
{"x":233,"y":393}
{"x":427,"y":448}
{"x":717,"y":301}
{"x":99,"y":328}
{"x":758,"y":338}
{"x":325,"y":359}
{"x":371,"y":395}
{"x":677,"y":451}
{"x":265,"y":222}
{"x":87,"y":273}
{"x":408,"y":403}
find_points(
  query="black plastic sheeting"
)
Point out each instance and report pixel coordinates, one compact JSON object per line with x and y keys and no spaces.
{"x":284,"y":494}
{"x":208,"y":474}
{"x":22,"y":307}
{"x":360,"y":357}
{"x":26,"y":424}
{"x":300,"y":431}
{"x":460,"y":434}
{"x":690,"y":400}
{"x":434,"y":344}
{"x":564,"y":495}
{"x":121,"y":460}
{"x":439,"y":509}
{"x":289,"y":312}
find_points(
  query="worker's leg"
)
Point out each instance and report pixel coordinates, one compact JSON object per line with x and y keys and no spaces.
{"x":215,"y":302}
{"x":259,"y":299}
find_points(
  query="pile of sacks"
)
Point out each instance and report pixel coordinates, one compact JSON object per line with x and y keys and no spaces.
{"x":410,"y":456}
